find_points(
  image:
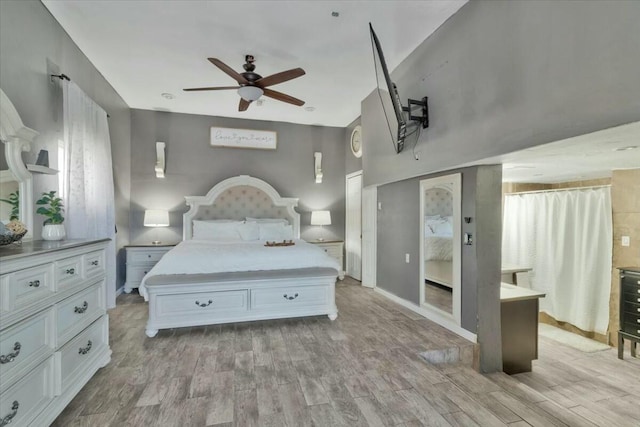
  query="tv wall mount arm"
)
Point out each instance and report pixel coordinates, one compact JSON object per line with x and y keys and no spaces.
{"x":424,"y":117}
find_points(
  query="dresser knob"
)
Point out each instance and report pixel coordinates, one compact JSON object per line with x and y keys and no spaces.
{"x":11,"y":356}
{"x":14,"y":411}
{"x":71,"y":271}
{"x":82,"y":308}
{"x":94,"y":262}
{"x":86,"y":349}
{"x":35,"y":284}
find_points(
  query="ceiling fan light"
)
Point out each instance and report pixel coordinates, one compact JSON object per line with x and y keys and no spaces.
{"x":250,"y":93}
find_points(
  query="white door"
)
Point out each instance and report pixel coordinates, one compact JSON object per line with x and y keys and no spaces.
{"x":353,"y":239}
{"x":369,"y":218}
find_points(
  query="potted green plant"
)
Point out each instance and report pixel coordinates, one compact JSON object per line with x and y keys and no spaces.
{"x":14,"y":201}
{"x":51,"y":207}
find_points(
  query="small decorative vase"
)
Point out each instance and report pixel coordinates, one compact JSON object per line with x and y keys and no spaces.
{"x":53,"y":232}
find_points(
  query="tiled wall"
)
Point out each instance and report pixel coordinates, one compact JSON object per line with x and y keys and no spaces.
{"x":625,"y":201}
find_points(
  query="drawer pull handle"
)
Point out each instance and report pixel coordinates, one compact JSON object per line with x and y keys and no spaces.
{"x":35,"y":284}
{"x":148,"y":256}
{"x":14,"y":411}
{"x":71,"y":271}
{"x":81,"y":309}
{"x":94,"y":262}
{"x":86,"y":349}
{"x":204,"y":304}
{"x":11,"y":356}
{"x":290,"y":298}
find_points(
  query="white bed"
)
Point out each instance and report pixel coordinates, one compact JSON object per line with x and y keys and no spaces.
{"x":200,"y":282}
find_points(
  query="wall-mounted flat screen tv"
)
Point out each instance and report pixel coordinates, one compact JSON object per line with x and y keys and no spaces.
{"x":389,"y":96}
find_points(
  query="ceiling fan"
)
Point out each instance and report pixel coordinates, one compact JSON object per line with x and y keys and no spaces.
{"x":253,"y":85}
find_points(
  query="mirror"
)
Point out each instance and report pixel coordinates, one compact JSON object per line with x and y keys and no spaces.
{"x":15,"y":179}
{"x":440,"y":205}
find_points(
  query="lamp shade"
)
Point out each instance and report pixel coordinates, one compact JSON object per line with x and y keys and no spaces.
{"x":156,"y":218}
{"x":250,"y":93}
{"x":320,"y":218}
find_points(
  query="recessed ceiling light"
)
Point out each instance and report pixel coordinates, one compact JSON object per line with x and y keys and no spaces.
{"x":168,"y":95}
{"x":630,"y":147}
{"x":335,"y":14}
{"x":310,"y":109}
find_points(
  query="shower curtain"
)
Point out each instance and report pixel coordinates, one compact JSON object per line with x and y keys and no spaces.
{"x":566,"y":236}
{"x":87,"y":177}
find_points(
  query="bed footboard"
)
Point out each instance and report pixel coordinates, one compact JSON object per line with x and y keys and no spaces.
{"x":180,"y":301}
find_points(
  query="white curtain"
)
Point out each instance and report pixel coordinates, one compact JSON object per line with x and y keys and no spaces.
{"x":566,"y":236}
{"x":87,"y":176}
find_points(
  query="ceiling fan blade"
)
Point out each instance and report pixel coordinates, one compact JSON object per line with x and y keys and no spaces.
{"x":277,"y":78}
{"x":283,"y":97}
{"x":244,"y":104}
{"x":191,"y":89}
{"x":230,"y":71}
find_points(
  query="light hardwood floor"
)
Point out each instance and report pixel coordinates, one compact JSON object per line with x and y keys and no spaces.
{"x":360,"y":370}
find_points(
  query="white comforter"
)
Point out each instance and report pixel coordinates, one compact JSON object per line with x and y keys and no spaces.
{"x":438,"y":248}
{"x":204,"y":256}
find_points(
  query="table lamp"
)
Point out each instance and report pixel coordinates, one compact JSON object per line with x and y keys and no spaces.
{"x":321,"y":218}
{"x":156,"y":218}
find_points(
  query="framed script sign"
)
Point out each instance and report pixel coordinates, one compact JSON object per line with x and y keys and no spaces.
{"x":243,"y":138}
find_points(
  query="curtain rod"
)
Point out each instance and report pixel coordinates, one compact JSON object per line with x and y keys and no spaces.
{"x":591,"y":187}
{"x":65,"y":77}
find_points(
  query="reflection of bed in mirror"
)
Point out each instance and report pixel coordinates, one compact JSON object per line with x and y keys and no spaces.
{"x":438,"y":236}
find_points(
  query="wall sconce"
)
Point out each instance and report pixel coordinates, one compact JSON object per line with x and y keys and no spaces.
{"x":156,"y":218}
{"x":318,"y":167}
{"x":160,"y":161}
{"x":321,"y":218}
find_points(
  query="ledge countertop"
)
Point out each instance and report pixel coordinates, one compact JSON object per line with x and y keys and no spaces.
{"x":33,"y":247}
{"x":510,"y":292}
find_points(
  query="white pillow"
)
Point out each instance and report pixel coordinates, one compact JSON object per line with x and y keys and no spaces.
{"x":249,"y":231}
{"x":275,"y":231}
{"x":268,"y":220}
{"x":431,"y":217}
{"x":217,"y":231}
{"x":443,"y":228}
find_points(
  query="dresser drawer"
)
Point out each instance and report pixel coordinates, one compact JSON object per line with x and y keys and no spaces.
{"x":210,"y":305}
{"x":94,"y":264}
{"x":632,"y":308}
{"x":68,"y":272}
{"x":631,"y":328}
{"x":78,"y":353}
{"x":22,"y":402}
{"x":78,"y":311}
{"x":24,"y":345}
{"x":26,"y":286}
{"x":289,"y":297}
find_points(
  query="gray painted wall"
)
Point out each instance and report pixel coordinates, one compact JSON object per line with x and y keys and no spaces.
{"x":32,"y":44}
{"x":398,"y":225}
{"x":193,"y":167}
{"x":503,"y":76}
{"x":351,"y":162}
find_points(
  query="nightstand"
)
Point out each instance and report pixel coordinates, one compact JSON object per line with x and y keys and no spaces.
{"x":335,"y":249}
{"x":140,"y":259}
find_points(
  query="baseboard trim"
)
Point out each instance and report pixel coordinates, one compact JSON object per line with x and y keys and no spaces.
{"x":119,"y":291}
{"x":434,"y":317}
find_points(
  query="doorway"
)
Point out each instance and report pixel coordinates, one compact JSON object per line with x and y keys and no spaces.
{"x":353,"y":232}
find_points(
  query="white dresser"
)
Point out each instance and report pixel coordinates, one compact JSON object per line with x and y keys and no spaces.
{"x":335,"y":249}
{"x":140,"y":259}
{"x":54,"y":329}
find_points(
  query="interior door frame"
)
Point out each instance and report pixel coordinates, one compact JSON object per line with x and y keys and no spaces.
{"x":347,"y":221}
{"x":451,"y":321}
{"x":369,"y":237}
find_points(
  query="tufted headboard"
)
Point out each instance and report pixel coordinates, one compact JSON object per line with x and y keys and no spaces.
{"x":237,"y":198}
{"x":438,"y":201}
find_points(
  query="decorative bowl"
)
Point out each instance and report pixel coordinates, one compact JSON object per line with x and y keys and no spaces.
{"x":7,"y":239}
